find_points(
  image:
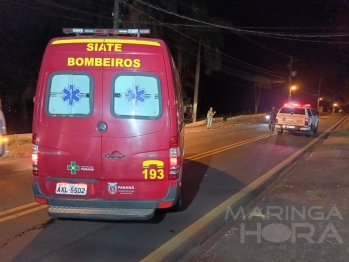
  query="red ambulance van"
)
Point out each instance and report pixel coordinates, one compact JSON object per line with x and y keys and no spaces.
{"x":108,"y":129}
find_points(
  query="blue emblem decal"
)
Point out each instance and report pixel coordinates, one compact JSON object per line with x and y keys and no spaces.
{"x":135,"y":95}
{"x":112,"y":188}
{"x":71,"y":95}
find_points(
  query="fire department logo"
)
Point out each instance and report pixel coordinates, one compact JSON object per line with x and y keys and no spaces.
{"x":112,"y":188}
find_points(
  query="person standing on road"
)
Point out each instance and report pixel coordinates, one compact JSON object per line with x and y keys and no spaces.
{"x":189,"y":112}
{"x":272,"y":119}
{"x":210,"y":115}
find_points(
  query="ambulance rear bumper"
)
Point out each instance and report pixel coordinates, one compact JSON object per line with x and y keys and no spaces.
{"x":104,"y":209}
{"x":100,"y":213}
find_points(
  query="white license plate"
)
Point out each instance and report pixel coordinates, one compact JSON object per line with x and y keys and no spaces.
{"x":71,"y":189}
{"x":290,"y":126}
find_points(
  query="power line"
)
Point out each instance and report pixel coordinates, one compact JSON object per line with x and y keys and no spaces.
{"x":228,"y":70}
{"x":64,"y":7}
{"x":17,"y":5}
{"x":237,"y":60}
{"x":242,"y":31}
{"x":109,"y":9}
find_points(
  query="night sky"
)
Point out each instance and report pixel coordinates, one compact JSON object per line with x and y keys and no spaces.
{"x":313,"y":57}
{"x":260,"y":39}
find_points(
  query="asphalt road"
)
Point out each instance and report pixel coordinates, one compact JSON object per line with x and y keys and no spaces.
{"x":219,"y":163}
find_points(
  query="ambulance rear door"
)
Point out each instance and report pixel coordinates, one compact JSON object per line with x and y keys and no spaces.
{"x":135,"y":144}
{"x":66,"y":124}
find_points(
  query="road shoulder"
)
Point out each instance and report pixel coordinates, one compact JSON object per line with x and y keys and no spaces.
{"x":303,"y":217}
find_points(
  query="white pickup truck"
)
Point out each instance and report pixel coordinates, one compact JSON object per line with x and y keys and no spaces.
{"x":294,"y":117}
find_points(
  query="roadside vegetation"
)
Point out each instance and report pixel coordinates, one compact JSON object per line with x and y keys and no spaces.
{"x":19,"y":142}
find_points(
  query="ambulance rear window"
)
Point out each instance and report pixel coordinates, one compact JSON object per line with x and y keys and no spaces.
{"x":69,"y":94}
{"x":136,"y":96}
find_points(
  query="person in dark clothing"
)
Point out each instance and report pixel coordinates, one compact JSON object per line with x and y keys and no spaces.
{"x":189,"y":113}
{"x":272,"y":119}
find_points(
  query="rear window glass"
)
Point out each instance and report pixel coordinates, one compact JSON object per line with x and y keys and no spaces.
{"x":69,"y":94}
{"x":289,"y":110}
{"x":136,"y":96}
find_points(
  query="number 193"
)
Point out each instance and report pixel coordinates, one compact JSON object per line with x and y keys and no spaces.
{"x":153,"y":173}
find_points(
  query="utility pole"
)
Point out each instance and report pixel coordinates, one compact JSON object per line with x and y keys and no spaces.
{"x":291,"y":73}
{"x":318,"y":96}
{"x":116,"y":14}
{"x":289,"y":78}
{"x":196,"y":87}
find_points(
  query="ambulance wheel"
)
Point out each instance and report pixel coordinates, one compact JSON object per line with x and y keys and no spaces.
{"x":280,"y":131}
{"x":176,"y":207}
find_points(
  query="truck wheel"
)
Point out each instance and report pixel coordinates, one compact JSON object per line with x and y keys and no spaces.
{"x":280,"y":131}
{"x":316,"y":128}
{"x":307,"y":133}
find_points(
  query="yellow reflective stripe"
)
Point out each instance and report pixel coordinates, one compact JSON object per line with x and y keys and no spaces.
{"x":132,"y":41}
{"x":119,"y":41}
{"x":77,"y":41}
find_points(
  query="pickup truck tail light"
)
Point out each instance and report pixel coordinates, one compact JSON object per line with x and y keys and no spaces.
{"x":306,"y":122}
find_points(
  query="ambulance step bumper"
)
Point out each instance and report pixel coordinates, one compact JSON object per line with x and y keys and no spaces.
{"x":100,"y":213}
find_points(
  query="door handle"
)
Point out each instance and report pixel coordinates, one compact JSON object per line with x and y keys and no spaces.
{"x":114,"y":155}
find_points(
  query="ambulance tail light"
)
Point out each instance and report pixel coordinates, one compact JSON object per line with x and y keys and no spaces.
{"x":165,"y":204}
{"x":174,"y":141}
{"x":34,"y":138}
{"x":174,"y":158}
{"x":306,"y":122}
{"x":41,"y":200}
{"x":35,"y":155}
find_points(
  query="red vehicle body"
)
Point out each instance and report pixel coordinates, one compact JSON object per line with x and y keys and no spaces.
{"x":108,"y":128}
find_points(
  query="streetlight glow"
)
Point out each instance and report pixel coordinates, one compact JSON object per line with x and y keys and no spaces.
{"x":335,"y":104}
{"x":318,"y":104}
{"x":292,"y":88}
